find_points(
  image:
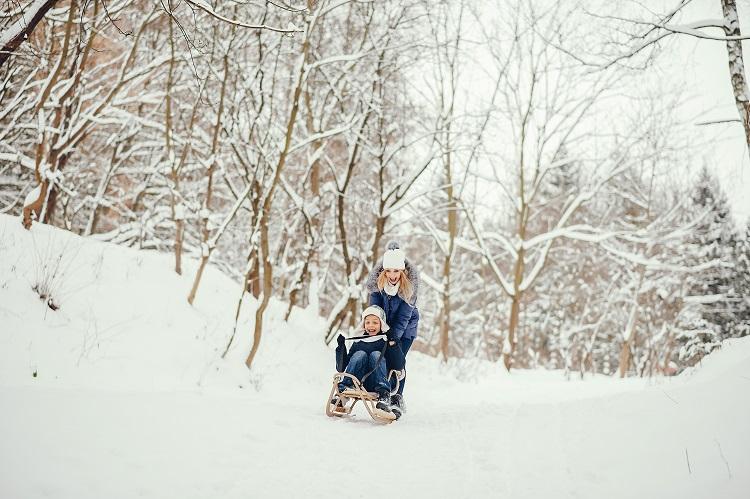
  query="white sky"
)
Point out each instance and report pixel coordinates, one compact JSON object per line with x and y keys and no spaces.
{"x":696,"y":68}
{"x":705,"y":70}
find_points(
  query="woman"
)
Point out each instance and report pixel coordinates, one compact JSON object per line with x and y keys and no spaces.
{"x":393,"y":286}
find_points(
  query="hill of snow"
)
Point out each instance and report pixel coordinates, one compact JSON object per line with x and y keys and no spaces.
{"x":121,"y":392}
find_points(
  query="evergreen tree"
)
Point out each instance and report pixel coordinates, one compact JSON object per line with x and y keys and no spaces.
{"x":710,"y":302}
{"x":741,"y":284}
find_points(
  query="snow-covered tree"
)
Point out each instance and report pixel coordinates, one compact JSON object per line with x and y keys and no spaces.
{"x":741,"y":282}
{"x":639,"y":32}
{"x":709,"y":313}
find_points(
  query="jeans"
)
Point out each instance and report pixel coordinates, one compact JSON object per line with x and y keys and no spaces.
{"x":405,"y":346}
{"x":360,"y":364}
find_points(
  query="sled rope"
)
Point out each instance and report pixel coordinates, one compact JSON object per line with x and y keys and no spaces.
{"x":366,"y":337}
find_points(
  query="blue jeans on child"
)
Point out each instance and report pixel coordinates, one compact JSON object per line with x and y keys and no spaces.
{"x":360,"y":364}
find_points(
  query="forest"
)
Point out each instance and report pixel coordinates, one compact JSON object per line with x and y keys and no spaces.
{"x":527,"y":155}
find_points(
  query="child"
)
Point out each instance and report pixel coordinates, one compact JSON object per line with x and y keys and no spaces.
{"x":366,"y":355}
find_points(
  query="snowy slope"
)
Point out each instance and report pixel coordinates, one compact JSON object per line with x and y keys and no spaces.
{"x":131,"y":399}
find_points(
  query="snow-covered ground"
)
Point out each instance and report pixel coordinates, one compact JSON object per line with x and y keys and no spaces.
{"x":121,"y":392}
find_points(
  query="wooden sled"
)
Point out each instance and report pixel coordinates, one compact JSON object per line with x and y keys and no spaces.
{"x":357,"y":393}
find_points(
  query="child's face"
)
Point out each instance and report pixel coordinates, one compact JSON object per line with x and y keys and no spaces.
{"x":372,"y":324}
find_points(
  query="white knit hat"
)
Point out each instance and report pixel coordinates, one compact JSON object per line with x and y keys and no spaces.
{"x":377,"y":312}
{"x":394,"y":259}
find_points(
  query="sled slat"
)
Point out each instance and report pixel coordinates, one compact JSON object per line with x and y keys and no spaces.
{"x":359,"y":394}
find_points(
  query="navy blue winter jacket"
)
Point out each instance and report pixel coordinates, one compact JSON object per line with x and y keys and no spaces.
{"x":367,"y":346}
{"x":396,"y":309}
{"x":397,"y":313}
{"x":393,"y":355}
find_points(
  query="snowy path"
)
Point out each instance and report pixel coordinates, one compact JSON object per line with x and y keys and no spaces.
{"x":87,"y":443}
{"x":100,"y":399}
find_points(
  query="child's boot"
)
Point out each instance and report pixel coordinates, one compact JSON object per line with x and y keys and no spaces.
{"x":397,"y":405}
{"x":384,"y":402}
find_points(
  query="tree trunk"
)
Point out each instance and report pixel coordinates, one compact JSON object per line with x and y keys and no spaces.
{"x":265,"y":213}
{"x":251,"y":260}
{"x":311,"y":226}
{"x":27,"y":23}
{"x":46,"y":150}
{"x":625,"y":358}
{"x":445,"y":326}
{"x":737,"y":66}
{"x":207,"y":248}
{"x":267,"y":289}
{"x":34,"y":208}
{"x":51,"y":205}
{"x":509,"y":350}
{"x":628,"y":344}
{"x":175,"y":202}
{"x":252,"y":282}
{"x":253,"y":279}
{"x":304,"y":272}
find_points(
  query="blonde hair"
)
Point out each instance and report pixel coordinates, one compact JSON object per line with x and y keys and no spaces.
{"x":405,"y":289}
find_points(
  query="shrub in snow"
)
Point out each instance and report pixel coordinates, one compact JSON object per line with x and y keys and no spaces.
{"x":698,"y":340}
{"x":51,"y":266}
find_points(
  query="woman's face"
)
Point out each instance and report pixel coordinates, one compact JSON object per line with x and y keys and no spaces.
{"x":393,"y":275}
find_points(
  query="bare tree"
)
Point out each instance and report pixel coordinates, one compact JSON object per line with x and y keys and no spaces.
{"x":300,"y":71}
{"x":643,"y":35}
{"x":545,"y":112}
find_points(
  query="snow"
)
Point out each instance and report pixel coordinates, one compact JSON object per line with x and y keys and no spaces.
{"x":32,"y":196}
{"x":179,"y":211}
{"x":121,"y":392}
{"x":14,"y":30}
{"x":202,"y":4}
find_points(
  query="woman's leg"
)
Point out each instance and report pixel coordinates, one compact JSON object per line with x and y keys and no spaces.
{"x":405,"y":346}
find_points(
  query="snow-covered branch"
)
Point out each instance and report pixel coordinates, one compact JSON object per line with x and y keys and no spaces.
{"x":204,"y":6}
{"x":20,"y":30}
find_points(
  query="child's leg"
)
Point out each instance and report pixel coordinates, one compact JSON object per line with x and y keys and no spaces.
{"x":356,"y":367}
{"x":380,"y":374}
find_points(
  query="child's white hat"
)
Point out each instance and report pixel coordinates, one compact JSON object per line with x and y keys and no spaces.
{"x":377,"y":312}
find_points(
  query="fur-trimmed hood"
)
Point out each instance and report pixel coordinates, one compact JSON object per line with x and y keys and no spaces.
{"x":411,"y":270}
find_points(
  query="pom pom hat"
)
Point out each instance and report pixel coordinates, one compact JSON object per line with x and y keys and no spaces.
{"x":394,"y":259}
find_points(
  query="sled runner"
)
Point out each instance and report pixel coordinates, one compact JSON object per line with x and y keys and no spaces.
{"x":356,"y":393}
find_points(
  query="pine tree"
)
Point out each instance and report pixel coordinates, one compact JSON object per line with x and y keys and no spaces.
{"x":710,"y":307}
{"x":741,"y":284}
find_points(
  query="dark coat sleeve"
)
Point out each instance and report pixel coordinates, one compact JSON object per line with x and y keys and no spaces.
{"x":394,"y":357}
{"x":413,"y":322}
{"x":400,"y":319}
{"x":342,"y":357}
{"x":376,"y":298}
